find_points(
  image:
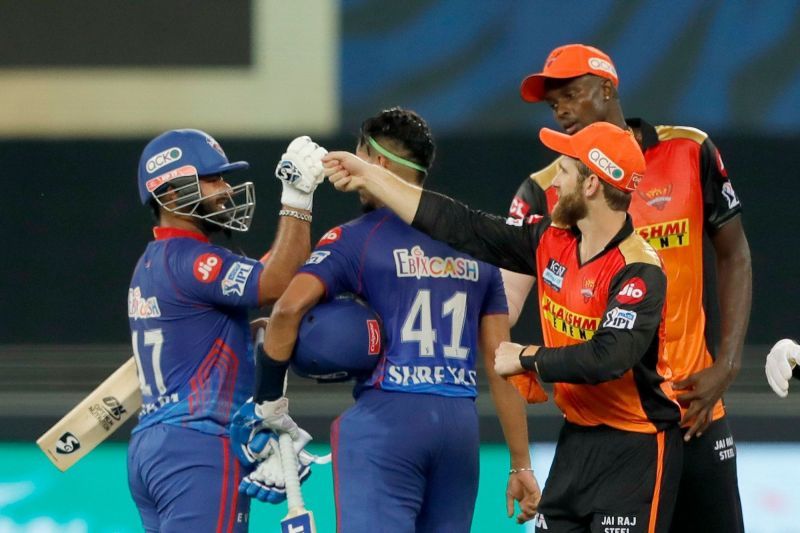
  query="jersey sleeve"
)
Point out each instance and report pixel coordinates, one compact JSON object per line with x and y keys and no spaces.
{"x":495,"y":302}
{"x":529,"y":200}
{"x":720,"y":203}
{"x":334,"y":261}
{"x":506,"y":243}
{"x":631,"y":321}
{"x":216,"y":276}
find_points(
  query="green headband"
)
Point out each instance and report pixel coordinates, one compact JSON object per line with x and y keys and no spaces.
{"x":396,"y":158}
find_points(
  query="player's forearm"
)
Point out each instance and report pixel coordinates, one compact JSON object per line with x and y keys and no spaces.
{"x":517,"y":287}
{"x":289,"y":251}
{"x":734,"y":286}
{"x":510,"y":408}
{"x":400,"y":196}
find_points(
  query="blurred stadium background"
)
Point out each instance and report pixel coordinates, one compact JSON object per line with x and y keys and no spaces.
{"x":86,"y":83}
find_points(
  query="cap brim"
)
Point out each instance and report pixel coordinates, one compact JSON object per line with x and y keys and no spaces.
{"x":558,"y":142}
{"x":532,"y":88}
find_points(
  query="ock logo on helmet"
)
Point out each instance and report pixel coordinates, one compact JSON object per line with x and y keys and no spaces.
{"x":162,"y":159}
{"x":606,"y":164}
{"x":288,"y":172}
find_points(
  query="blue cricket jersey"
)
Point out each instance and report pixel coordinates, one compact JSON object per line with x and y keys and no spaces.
{"x":429,"y":296}
{"x":187,"y":308}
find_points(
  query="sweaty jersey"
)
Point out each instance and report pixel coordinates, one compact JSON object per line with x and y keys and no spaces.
{"x":685,"y":193}
{"x":430,"y":299}
{"x":187,"y":308}
{"x":602,"y":320}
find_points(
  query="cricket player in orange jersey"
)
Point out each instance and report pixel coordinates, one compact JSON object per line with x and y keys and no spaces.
{"x":618,"y":458}
{"x":684,"y":202}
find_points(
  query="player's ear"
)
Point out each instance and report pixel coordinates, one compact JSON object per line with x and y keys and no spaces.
{"x":382,"y":161}
{"x":591,"y":185}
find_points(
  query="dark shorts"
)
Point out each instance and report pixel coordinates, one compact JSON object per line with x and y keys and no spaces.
{"x":605,"y":480}
{"x":708,"y":497}
{"x":186,"y":481}
{"x":406,"y":462}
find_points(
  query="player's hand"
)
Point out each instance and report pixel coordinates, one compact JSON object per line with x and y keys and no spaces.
{"x":253,"y":419}
{"x":267,"y":482}
{"x":347,"y":172}
{"x":300,"y":171}
{"x":781,"y":359}
{"x":705,"y":388}
{"x":250,"y":443}
{"x":523,"y":488}
{"x":506,"y":359}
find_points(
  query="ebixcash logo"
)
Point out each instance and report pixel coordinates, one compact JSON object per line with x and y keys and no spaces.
{"x":67,"y":443}
{"x":113,"y":407}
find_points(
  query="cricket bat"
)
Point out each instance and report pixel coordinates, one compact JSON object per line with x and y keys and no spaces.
{"x":298,"y":519}
{"x":98,"y":415}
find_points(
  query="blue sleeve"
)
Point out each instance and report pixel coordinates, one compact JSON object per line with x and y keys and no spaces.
{"x":335,"y":261}
{"x":495,"y":302}
{"x":215,"y":275}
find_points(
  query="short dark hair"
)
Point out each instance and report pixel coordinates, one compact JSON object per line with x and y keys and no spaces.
{"x":405,"y":129}
{"x":616,"y":199}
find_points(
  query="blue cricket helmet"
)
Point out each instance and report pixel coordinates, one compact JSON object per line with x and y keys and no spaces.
{"x":175,"y":149}
{"x":338,"y":340}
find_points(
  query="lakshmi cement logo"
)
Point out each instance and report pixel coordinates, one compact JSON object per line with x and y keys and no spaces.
{"x":606,"y":164}
{"x":162,"y":159}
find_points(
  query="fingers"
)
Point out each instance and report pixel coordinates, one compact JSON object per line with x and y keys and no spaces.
{"x":683,"y":384}
{"x":691,"y":413}
{"x":509,"y":504}
{"x":779,"y":386}
{"x":700,"y":424}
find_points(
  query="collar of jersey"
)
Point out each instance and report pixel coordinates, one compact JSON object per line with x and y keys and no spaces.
{"x":161,"y":233}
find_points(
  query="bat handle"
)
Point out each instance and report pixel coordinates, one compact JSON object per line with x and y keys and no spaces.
{"x":294,"y":496}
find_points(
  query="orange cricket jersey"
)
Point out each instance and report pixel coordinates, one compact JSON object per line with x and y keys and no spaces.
{"x":684,"y":194}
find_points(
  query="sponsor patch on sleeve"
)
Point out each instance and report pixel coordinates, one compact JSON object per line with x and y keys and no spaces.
{"x":236,"y":278}
{"x":620,"y":319}
{"x":519,"y":208}
{"x":730,"y":195}
{"x":332,"y":236}
{"x":207,"y":267}
{"x":317,"y":257}
{"x":633,"y":291}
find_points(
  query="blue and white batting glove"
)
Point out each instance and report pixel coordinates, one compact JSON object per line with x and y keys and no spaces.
{"x":267,"y":483}
{"x":781,"y":359}
{"x":251,"y":420}
{"x":300,"y":171}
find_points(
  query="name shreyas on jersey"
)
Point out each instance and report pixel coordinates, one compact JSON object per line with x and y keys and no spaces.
{"x":414,"y":263}
{"x":236,"y":278}
{"x":569,"y":323}
{"x":405,"y":375}
{"x":140,"y":307}
{"x":670,"y":234}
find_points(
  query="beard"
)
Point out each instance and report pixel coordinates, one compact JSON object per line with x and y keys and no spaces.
{"x":569,"y":209}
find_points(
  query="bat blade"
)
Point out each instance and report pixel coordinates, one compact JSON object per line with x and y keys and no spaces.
{"x":96,"y":417}
{"x":299,"y":519}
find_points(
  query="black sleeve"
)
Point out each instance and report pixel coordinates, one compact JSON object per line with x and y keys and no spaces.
{"x":630,"y":324}
{"x":720,"y":203}
{"x":506,"y":243}
{"x":529,"y":200}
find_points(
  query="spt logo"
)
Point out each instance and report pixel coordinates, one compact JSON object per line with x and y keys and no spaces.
{"x":606,"y":164}
{"x":633,"y":291}
{"x":374,"y":331}
{"x":207,"y":267}
{"x":162,"y":159}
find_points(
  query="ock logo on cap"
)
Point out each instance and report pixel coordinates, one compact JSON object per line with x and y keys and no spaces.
{"x":595,"y":63}
{"x":606,"y":164}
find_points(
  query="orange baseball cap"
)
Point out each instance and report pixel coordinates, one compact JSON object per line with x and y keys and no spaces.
{"x":568,"y":61}
{"x":609,"y":151}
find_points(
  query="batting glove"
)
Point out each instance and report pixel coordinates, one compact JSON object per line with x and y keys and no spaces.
{"x":300,"y":171}
{"x":250,"y":442}
{"x":254,"y":425}
{"x":267,"y":483}
{"x":781,"y":359}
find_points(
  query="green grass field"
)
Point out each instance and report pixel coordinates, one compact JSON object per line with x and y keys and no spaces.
{"x":93,"y":496}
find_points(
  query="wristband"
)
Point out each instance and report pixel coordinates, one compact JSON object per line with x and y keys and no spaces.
{"x":294,"y":214}
{"x":270,"y":377}
{"x":518,"y":470}
{"x":528,"y":362}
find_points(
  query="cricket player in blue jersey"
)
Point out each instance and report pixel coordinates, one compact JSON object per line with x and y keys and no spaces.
{"x":406,"y":454}
{"x":187,"y":305}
